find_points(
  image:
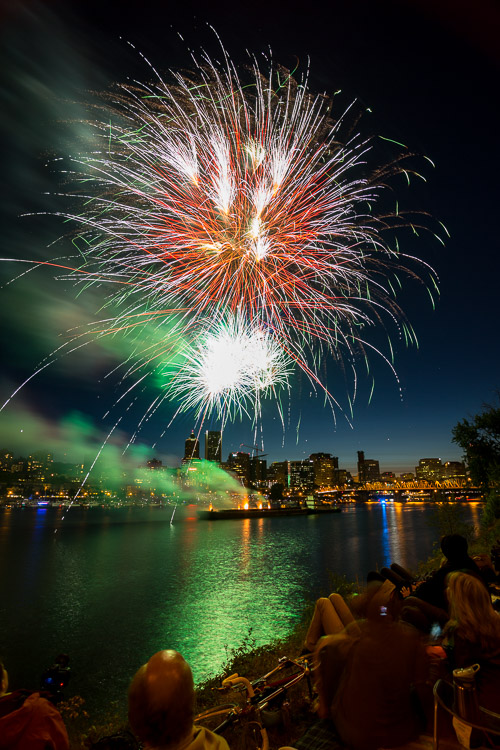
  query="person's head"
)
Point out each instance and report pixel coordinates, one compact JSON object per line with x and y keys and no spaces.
{"x":471,"y":610}
{"x":454,"y":547}
{"x":4,"y":680}
{"x":161,"y":701}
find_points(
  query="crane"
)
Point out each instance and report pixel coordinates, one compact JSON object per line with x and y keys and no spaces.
{"x":256,"y":449}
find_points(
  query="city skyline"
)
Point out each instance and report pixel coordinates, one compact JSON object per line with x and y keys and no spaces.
{"x":428,"y":80}
{"x":197,"y":450}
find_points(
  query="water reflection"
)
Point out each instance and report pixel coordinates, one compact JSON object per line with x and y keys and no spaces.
{"x":246,"y":586}
{"x":385,"y":536}
{"x":396,"y":531}
{"x":475,"y":511}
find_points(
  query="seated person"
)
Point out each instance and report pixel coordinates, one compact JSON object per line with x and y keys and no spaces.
{"x":29,"y":721}
{"x":472,"y":635}
{"x":161,"y":707}
{"x":455,"y":550}
{"x":486,"y":568}
{"x":429,"y":603}
{"x":331,"y":615}
{"x":370,"y":681}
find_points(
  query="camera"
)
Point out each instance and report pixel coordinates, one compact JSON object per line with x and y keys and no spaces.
{"x":56,"y":678}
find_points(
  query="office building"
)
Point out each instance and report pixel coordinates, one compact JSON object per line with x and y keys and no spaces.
{"x":213,"y":446}
{"x":368,"y":469}
{"x":388,"y":476}
{"x":302,"y":475}
{"x":191,"y":448}
{"x":407,"y":477}
{"x":324,"y":467}
{"x":258,"y":472}
{"x":429,"y":469}
{"x":239,"y":463}
{"x":454,"y":470}
{"x":277,"y":473}
{"x":154,"y":464}
{"x":341,"y":477}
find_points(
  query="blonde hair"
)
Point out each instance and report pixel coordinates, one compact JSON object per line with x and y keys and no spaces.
{"x":471,"y":611}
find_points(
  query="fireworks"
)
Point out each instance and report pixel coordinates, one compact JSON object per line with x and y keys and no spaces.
{"x":231,"y":210}
{"x":232,"y":365}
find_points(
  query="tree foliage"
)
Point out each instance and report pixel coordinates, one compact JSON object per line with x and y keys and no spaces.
{"x":479,"y":438}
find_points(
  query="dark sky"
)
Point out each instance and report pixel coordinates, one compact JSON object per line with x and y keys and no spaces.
{"x":429,"y":73}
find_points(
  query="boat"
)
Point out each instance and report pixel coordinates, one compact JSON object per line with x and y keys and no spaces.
{"x":213,"y":514}
{"x":324,"y":508}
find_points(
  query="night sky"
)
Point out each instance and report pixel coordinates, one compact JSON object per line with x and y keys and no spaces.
{"x":428,"y":71}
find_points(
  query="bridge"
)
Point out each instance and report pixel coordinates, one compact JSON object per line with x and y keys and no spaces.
{"x":399,"y":490}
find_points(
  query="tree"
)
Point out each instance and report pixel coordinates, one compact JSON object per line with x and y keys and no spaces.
{"x":480,"y":441}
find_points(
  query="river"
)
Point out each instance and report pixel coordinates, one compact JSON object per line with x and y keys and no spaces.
{"x":111,"y":587}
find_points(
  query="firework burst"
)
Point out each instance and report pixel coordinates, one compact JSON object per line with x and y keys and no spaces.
{"x":220,"y":197}
{"x":232,"y":365}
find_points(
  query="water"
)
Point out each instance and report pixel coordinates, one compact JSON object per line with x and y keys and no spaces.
{"x":112,"y":587}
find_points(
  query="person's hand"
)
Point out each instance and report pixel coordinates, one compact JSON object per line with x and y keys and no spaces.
{"x":404,"y":591}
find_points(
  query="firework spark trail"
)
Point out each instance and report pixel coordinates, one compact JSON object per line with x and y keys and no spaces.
{"x":87,"y":475}
{"x":230,"y":208}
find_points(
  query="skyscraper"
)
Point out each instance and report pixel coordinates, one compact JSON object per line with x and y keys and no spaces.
{"x":368,"y":469}
{"x":239,"y":464}
{"x":429,"y":469}
{"x":324,"y":466}
{"x":258,"y":472}
{"x":191,"y":447}
{"x":302,"y":475}
{"x":278,"y":472}
{"x":213,"y":446}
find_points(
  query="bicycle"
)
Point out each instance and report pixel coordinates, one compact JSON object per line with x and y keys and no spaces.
{"x":265,"y":703}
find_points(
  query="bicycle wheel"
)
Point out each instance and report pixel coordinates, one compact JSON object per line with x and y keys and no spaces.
{"x":241,"y":730}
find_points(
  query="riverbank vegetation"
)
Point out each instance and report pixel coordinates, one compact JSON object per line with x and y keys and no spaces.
{"x":479,"y":438}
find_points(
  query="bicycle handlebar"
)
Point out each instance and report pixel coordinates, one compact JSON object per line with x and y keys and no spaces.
{"x":235,"y":679}
{"x":260,"y":694}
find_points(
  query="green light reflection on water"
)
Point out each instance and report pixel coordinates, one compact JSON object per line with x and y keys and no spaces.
{"x":229,"y":589}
